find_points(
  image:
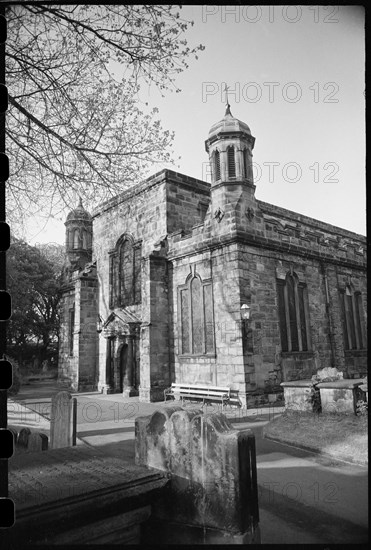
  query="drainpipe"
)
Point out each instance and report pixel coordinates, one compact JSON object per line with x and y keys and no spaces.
{"x":328,"y":313}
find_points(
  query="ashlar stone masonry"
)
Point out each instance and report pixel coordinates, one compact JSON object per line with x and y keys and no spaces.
{"x":155,"y":279}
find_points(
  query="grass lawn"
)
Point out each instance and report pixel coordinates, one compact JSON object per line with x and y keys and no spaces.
{"x":339,"y":435}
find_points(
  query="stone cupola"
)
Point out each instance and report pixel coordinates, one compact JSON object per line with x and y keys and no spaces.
{"x":79,"y":230}
{"x":230,"y":146}
{"x":233,"y":203}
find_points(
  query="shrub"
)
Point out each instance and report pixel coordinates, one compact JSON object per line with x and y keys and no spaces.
{"x":361,"y":408}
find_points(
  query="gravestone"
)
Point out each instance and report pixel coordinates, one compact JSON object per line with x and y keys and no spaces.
{"x":63,"y":420}
{"x":22,"y":440}
{"x":297,"y":395}
{"x":212,"y":496}
{"x":37,"y":441}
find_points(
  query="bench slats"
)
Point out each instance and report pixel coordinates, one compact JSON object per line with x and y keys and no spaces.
{"x":199,"y":387}
{"x":204,"y":392}
{"x":214,"y":398}
{"x":201,"y":392}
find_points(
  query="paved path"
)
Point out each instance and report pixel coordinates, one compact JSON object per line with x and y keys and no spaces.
{"x":303,"y":498}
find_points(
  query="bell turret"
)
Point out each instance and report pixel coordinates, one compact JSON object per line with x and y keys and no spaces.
{"x":79,"y":229}
{"x":230,"y":146}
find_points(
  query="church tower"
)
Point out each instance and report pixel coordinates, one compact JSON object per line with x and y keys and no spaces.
{"x":230,"y":146}
{"x":79,"y":228}
{"x":78,"y":306}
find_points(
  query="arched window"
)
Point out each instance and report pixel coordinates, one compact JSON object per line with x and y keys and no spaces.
{"x":76,"y":239}
{"x":293,"y":314}
{"x":351,"y":305}
{"x":125,"y":273}
{"x":196,"y":317}
{"x":231,"y":162}
{"x":70,"y":237}
{"x":84,"y":239}
{"x":217,"y":165}
{"x":71,"y":329}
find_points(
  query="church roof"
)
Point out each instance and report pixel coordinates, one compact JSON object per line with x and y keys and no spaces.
{"x":79,"y":213}
{"x":229,"y":124}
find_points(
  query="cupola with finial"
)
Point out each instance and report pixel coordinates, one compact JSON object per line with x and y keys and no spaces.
{"x":79,"y":229}
{"x":230,"y":146}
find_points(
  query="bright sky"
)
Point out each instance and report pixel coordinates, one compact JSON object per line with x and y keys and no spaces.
{"x":296,"y":77}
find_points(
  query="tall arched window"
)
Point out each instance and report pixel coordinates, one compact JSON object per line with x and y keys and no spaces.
{"x":196,"y":321}
{"x":217,"y":165}
{"x":71,"y":329}
{"x":351,"y":305}
{"x":70,"y":237}
{"x":76,"y":239}
{"x":197,"y":315}
{"x":231,"y":162}
{"x":126,"y":258}
{"x":293,"y":314}
{"x":125,"y":273}
{"x":84,"y":239}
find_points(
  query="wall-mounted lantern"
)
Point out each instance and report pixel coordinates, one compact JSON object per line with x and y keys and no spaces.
{"x":245,"y":312}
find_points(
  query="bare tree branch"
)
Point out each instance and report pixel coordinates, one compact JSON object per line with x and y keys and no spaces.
{"x":74,"y":125}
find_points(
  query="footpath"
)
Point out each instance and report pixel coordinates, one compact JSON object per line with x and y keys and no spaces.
{"x":304,"y":498}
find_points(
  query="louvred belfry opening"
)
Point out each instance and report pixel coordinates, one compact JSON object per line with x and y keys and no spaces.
{"x":217,"y":164}
{"x":231,"y":162}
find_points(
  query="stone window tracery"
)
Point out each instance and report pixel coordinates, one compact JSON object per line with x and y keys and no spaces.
{"x":196,"y":317}
{"x":293,"y":314}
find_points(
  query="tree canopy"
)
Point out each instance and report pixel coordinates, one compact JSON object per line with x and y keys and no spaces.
{"x":33,"y":279}
{"x":74,"y":124}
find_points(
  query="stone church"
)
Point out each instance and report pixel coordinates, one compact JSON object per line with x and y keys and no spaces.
{"x":180,"y":280}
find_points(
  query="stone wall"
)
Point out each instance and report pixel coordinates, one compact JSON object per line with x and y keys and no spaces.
{"x":245,"y":246}
{"x":146,"y":212}
{"x":67,"y":364}
{"x":88,"y":379}
{"x":78,"y":370}
{"x":187,"y":201}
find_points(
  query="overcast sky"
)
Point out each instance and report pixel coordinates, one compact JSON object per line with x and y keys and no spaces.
{"x":296,"y":77}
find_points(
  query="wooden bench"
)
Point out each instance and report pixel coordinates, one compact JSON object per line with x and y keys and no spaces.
{"x":204,"y":392}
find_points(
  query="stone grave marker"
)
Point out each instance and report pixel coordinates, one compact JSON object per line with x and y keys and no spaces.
{"x":37,"y":441}
{"x":23,"y":436}
{"x":213,"y":491}
{"x":63,"y":420}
